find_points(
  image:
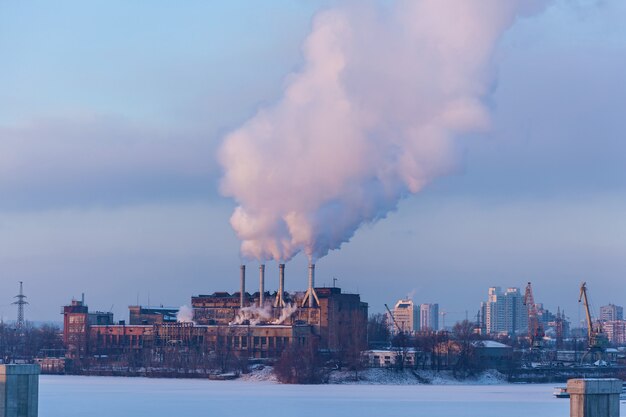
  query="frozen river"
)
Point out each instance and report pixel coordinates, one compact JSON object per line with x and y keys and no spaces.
{"x":74,"y":396}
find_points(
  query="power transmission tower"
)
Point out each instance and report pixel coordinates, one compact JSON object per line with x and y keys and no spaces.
{"x":21,"y":302}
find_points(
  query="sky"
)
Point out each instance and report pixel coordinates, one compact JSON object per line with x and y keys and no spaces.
{"x":112,"y":115}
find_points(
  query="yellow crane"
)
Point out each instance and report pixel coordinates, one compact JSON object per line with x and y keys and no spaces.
{"x":596,"y":337}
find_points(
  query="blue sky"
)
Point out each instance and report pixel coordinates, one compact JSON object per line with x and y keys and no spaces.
{"x":111,"y":114}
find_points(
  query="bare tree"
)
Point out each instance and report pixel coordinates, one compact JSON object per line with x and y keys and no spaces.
{"x":301,"y":364}
{"x":464,"y":341}
{"x":424,"y":344}
{"x":401,"y":345}
{"x":378,"y":334}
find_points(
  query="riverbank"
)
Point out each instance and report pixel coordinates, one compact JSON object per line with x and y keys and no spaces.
{"x":380,"y":376}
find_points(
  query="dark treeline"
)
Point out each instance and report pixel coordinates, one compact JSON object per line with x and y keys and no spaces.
{"x":29,"y":342}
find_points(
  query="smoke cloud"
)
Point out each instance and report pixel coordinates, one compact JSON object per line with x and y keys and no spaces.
{"x":370,"y":118}
{"x":253,"y":315}
{"x":185,"y":315}
{"x":286,"y":313}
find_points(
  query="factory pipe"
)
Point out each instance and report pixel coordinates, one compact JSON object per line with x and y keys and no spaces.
{"x":280,"y":302}
{"x":242,"y":291}
{"x":310,"y":297}
{"x":261,"y":284}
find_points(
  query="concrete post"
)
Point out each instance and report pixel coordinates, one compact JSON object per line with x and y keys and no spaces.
{"x":19,"y":390}
{"x":594,"y":397}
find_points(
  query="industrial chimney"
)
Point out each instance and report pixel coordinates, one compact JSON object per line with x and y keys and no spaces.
{"x":242,"y":291}
{"x":280,"y":302}
{"x":261,"y":284}
{"x":310,"y":292}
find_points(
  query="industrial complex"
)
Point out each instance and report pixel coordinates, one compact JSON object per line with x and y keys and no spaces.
{"x":251,"y":325}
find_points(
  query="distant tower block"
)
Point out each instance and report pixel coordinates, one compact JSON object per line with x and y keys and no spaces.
{"x":242,"y":290}
{"x":21,"y":302}
{"x":280,"y":302}
{"x":261,"y":284}
{"x":311,"y":295}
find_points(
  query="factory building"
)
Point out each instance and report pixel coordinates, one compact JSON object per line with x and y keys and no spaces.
{"x":329,"y":319}
{"x":151,"y":315}
{"x":258,"y":325}
{"x":113,"y":340}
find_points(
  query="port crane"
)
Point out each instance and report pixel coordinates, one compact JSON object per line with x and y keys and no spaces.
{"x":535,"y":327}
{"x":596,"y":338}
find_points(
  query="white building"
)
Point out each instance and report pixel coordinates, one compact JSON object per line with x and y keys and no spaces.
{"x":389,"y":358}
{"x":611,"y":312}
{"x":429,"y":317}
{"x":504,"y":312}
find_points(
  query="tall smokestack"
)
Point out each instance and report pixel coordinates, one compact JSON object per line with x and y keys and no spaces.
{"x":242,"y":291}
{"x":281,"y":286}
{"x":261,"y":284}
{"x":310,"y":292}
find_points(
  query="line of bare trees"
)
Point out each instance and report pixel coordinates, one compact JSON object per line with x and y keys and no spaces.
{"x":29,"y":342}
{"x":434,"y":350}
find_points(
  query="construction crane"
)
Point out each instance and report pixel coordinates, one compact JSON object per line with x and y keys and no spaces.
{"x":595,"y":333}
{"x":535,"y":327}
{"x":394,"y":319}
{"x":444,"y":313}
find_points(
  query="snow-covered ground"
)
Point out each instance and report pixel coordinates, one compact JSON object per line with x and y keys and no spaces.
{"x":75,"y":396}
{"x":374,"y":376}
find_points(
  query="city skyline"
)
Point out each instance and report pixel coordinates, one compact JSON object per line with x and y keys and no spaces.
{"x":110,"y":177}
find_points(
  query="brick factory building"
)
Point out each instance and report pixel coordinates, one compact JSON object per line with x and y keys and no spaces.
{"x":258,"y":325}
{"x":336,"y":314}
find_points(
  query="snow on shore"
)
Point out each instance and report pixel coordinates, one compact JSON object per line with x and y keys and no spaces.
{"x":379,"y":376}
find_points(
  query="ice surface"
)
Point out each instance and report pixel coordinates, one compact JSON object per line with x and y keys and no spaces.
{"x":76,"y":396}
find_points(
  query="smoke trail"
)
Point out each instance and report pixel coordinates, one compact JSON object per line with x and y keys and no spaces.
{"x":370,"y":119}
{"x":285,"y":313}
{"x":184,"y":315}
{"x":254,"y":315}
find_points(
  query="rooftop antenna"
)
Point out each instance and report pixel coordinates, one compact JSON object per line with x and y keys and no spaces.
{"x":21,"y":302}
{"x":335,"y":282}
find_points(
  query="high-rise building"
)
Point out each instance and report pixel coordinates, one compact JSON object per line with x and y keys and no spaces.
{"x":406,"y":315}
{"x":615,"y":331}
{"x":429,"y":317}
{"x":611,"y":312}
{"x":504,"y":312}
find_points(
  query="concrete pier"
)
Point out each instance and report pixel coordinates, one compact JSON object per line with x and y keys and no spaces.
{"x":594,"y":397}
{"x":19,"y":390}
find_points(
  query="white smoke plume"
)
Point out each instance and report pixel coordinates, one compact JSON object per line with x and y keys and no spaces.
{"x":254,"y":315}
{"x":185,"y":315}
{"x":370,"y":118}
{"x":285,"y":313}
